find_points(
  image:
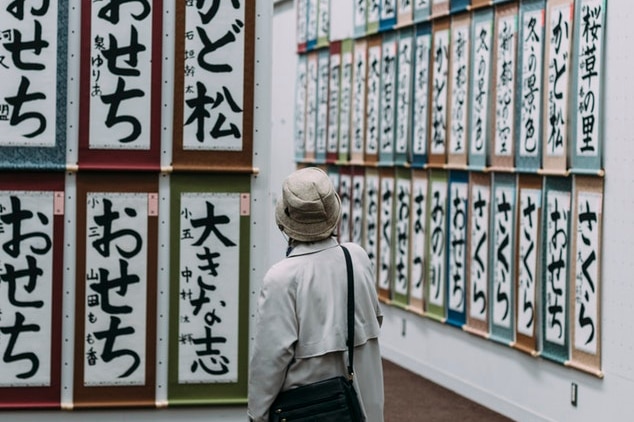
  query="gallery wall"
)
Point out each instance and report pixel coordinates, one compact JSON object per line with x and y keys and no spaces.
{"x":105,"y":166}
{"x":529,"y":386}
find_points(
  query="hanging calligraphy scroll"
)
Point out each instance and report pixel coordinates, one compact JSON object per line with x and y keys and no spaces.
{"x":480,"y":3}
{"x":345,"y":194}
{"x":357,"y":213}
{"x":528,"y":259}
{"x":360,"y":18}
{"x":420,"y":106}
{"x":422,"y":10}
{"x":213,"y":87}
{"x":388,"y":94}
{"x":554,"y":312}
{"x":405,"y":13}
{"x":480,"y":81}
{"x":437,"y":245}
{"x":478,"y":254}
{"x":502,"y":274}
{"x":209,"y":290}
{"x":373,"y":99}
{"x":388,"y":15}
{"x":312,"y":89}
{"x":33,"y":89}
{"x":120,"y":96}
{"x":386,"y":229}
{"x":557,"y":73}
{"x":439,"y":8}
{"x":32,"y":236}
{"x":345,"y":102}
{"x":404,"y":95}
{"x":585,"y":275}
{"x":334,"y":99}
{"x":458,"y":219}
{"x":371,"y":217}
{"x":402,"y":241}
{"x":504,"y":80}
{"x":301,"y":27}
{"x":439,"y":92}
{"x":334,"y":173}
{"x":373,"y":17}
{"x":323,"y":23}
{"x":459,"y":69}
{"x":358,"y":112}
{"x":115,"y":325}
{"x":460,"y":5}
{"x":323,"y":81}
{"x":418,"y":235}
{"x":301,"y":113}
{"x":530,"y":63}
{"x":312,"y":16}
{"x":586,"y":123}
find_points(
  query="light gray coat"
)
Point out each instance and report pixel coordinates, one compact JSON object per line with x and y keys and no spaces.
{"x":301,"y":330}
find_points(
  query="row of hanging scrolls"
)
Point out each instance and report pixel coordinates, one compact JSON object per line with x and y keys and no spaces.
{"x":512,"y":87}
{"x":515,"y":258}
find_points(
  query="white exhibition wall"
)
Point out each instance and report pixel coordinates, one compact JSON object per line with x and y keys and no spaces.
{"x":499,"y":377}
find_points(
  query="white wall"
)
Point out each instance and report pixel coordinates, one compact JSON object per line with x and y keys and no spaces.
{"x":504,"y":379}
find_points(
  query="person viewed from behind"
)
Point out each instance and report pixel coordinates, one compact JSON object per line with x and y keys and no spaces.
{"x":301,"y":324}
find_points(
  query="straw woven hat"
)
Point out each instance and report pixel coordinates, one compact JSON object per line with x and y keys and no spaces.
{"x":309,"y":209}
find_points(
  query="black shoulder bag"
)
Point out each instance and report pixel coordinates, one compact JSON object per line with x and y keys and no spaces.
{"x":331,"y":400}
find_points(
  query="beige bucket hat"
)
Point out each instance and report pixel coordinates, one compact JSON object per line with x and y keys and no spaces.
{"x":309,"y":209}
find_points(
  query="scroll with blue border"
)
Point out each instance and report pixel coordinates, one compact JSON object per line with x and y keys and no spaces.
{"x":388,"y":15}
{"x":421,"y":95}
{"x":480,"y":80}
{"x":458,"y":220}
{"x":530,"y":87}
{"x":34,"y":139}
{"x":422,"y":10}
{"x":588,"y":80}
{"x":555,"y":311}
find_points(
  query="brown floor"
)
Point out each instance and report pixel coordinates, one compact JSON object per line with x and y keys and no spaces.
{"x":409,"y":397}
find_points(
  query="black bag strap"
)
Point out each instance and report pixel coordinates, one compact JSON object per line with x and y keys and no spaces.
{"x":350,"y":312}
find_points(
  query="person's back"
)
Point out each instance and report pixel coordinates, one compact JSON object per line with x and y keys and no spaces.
{"x":301,"y":327}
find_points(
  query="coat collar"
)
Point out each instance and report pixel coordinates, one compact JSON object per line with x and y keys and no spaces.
{"x":305,"y":248}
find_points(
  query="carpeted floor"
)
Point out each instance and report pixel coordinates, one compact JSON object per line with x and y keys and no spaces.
{"x":409,"y":397}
